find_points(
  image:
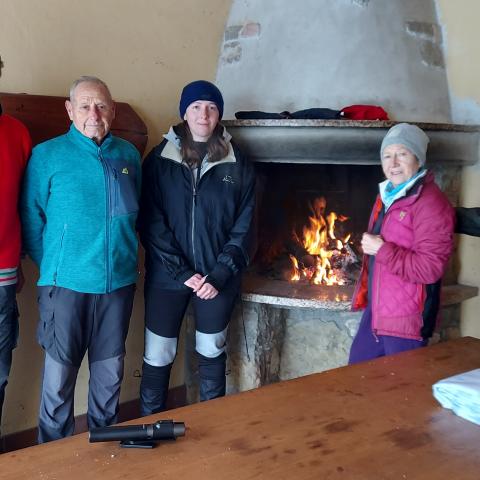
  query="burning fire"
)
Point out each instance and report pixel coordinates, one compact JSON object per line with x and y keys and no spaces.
{"x":322,"y":245}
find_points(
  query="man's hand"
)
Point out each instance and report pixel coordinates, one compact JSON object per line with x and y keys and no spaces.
{"x":371,"y":243}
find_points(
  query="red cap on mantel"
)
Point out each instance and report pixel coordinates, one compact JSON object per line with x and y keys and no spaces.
{"x":364,"y":112}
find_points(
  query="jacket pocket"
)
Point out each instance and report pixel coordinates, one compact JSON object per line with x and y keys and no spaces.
{"x":398,"y":306}
{"x":125,"y":196}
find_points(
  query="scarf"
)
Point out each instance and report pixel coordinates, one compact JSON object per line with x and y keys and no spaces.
{"x":389,"y":192}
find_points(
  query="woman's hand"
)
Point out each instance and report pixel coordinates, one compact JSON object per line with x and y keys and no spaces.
{"x":204,"y":290}
{"x":207,"y":291}
{"x":371,"y":243}
{"x":195,"y":282}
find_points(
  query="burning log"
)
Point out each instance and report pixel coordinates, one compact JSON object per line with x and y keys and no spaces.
{"x":332,"y":260}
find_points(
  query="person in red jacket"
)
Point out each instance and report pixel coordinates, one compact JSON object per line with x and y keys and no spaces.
{"x":406,"y":250}
{"x":15,"y":147}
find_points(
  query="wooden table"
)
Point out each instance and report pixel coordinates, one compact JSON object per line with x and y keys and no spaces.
{"x":376,"y":420}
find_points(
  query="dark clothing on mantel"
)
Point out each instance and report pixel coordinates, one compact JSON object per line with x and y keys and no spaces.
{"x":308,"y":114}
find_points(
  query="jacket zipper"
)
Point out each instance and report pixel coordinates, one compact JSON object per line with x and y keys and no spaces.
{"x":59,"y":254}
{"x":377,"y":282}
{"x":194,"y":203}
{"x":376,"y":292}
{"x":116,"y":195}
{"x":107,"y":219}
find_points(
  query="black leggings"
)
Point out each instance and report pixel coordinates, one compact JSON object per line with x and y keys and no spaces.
{"x":164,"y":312}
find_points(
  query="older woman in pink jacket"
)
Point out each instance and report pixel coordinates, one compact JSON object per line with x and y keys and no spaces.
{"x":406,"y":250}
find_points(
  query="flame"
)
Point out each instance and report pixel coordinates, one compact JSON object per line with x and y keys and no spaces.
{"x":296,"y":271}
{"x":319,"y":241}
{"x":331,"y":217}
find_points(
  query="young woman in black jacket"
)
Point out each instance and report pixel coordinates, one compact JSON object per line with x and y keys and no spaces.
{"x":195,"y":223}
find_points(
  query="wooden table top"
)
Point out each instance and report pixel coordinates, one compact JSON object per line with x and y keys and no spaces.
{"x":376,"y":420}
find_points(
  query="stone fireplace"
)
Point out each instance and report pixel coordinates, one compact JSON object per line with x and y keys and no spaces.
{"x":282,"y":329}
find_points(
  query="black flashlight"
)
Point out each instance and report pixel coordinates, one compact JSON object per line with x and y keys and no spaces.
{"x":139,"y":436}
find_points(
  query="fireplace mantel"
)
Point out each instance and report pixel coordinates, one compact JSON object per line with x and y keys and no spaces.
{"x":346,"y":141}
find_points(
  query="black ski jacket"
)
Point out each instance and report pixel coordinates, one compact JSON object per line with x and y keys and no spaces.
{"x":191,"y":225}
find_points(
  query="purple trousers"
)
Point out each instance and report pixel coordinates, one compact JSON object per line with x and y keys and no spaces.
{"x":367,"y":346}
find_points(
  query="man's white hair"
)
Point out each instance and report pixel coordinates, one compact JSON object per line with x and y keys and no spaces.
{"x":87,"y":79}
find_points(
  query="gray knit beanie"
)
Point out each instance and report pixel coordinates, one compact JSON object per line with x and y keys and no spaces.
{"x":410,"y":136}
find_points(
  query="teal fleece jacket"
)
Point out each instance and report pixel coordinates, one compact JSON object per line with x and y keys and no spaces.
{"x":79,"y":207}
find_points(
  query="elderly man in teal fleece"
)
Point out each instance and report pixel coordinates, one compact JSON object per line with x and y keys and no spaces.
{"x":79,"y":208}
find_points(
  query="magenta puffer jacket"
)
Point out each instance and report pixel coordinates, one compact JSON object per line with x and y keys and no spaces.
{"x":418,"y":233}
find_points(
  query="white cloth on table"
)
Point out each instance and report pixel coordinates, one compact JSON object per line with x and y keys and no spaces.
{"x":461,"y":394}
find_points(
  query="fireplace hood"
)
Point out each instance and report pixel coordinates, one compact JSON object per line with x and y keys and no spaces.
{"x":346,"y":141}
